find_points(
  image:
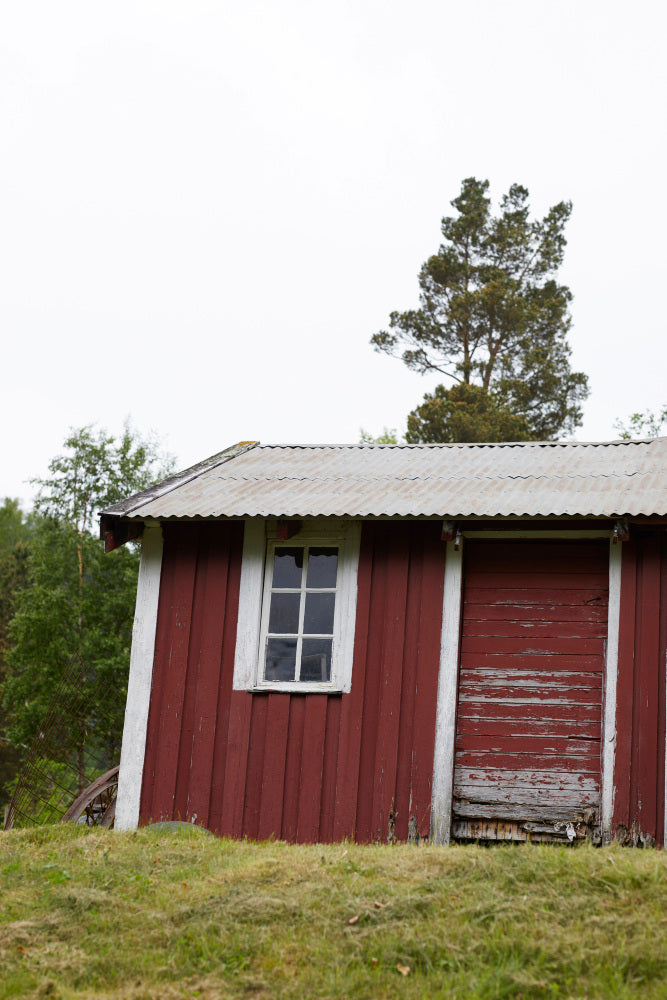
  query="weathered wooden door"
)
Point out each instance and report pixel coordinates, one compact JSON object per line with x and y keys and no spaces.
{"x":528,"y":739}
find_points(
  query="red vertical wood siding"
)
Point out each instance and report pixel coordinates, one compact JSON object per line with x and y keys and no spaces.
{"x":294,"y":766}
{"x":639,"y":776}
{"x":359,"y":765}
{"x":171,"y":649}
{"x":190,"y":693}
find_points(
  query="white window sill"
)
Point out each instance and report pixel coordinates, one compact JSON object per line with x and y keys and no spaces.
{"x":296,"y":687}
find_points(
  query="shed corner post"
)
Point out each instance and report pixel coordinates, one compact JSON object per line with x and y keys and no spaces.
{"x":445,"y":724}
{"x":140,"y":680}
{"x":610,"y":691}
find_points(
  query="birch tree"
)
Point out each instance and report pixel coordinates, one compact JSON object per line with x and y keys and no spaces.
{"x":78,"y":603}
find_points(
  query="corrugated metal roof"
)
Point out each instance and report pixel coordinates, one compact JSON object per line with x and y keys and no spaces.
{"x":533,"y":479}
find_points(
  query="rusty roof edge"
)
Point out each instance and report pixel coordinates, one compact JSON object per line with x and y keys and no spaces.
{"x":161,"y":489}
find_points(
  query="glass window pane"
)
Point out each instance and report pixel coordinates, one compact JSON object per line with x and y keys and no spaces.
{"x":319,"y":614}
{"x":284,"y":614}
{"x":316,"y":659}
{"x":322,"y":567}
{"x":280,"y":660}
{"x":287,"y":566}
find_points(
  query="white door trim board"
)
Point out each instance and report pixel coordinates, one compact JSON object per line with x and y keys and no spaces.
{"x":445,"y":722}
{"x":610,"y":684}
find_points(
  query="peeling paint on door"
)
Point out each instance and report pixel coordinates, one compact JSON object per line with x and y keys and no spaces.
{"x":527,"y":760}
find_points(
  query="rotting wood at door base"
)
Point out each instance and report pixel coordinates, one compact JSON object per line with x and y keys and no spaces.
{"x":413,"y":831}
{"x":633,"y":836}
{"x":560,"y":832}
{"x":480,"y":821}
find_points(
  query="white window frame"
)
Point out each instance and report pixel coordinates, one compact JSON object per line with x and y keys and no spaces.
{"x":260,"y":538}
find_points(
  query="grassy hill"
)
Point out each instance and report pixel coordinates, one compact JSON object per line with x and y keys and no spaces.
{"x":148,"y":915}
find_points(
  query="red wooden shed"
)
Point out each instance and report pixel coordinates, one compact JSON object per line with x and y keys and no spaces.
{"x":387,"y":642}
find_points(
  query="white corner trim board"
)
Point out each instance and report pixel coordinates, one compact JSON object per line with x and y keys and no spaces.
{"x":611,"y":677}
{"x":445,"y":721}
{"x":139,"y":685}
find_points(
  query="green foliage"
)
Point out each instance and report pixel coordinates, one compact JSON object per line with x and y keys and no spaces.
{"x":15,"y":527}
{"x":492,"y":313}
{"x":57,"y":621}
{"x":464,"y":413}
{"x":96,"y":471}
{"x":642,"y":425}
{"x":389,"y":435}
{"x":16,"y":531}
{"x":76,"y":603}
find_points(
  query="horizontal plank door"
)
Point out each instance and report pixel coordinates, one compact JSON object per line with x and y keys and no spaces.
{"x":529,"y":720}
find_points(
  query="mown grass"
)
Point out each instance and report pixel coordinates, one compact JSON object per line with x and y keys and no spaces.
{"x":148,"y":915}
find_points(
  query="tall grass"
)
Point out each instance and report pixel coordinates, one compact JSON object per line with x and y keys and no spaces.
{"x":148,"y":915}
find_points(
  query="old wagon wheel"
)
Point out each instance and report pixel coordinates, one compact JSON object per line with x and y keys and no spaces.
{"x":96,"y":806}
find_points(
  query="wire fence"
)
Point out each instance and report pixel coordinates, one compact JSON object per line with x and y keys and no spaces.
{"x":66,"y":755}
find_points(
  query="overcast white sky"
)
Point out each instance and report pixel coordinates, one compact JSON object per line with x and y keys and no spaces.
{"x":207,"y":208}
